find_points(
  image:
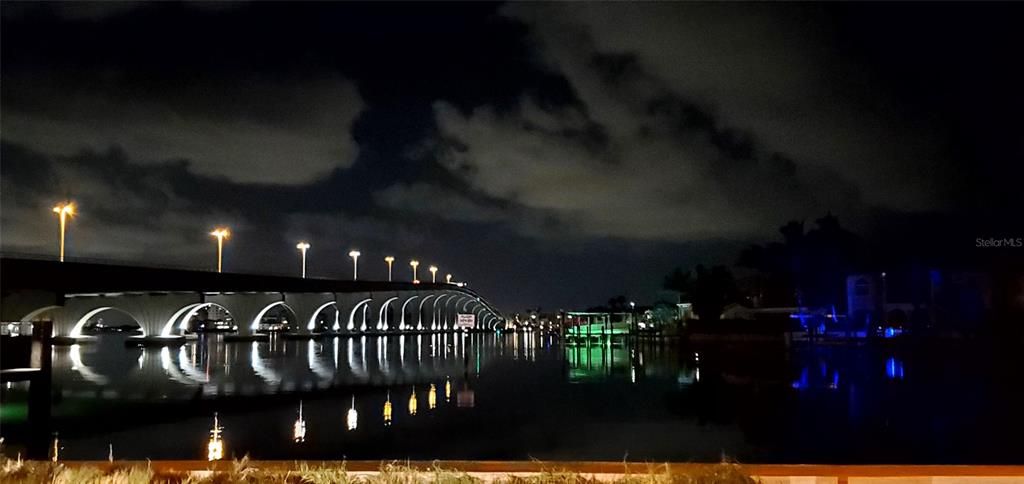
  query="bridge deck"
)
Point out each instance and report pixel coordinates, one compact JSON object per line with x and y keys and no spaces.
{"x":79,"y":277}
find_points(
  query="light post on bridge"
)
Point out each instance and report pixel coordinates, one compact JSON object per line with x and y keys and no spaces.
{"x":303,"y":247}
{"x":355,"y":264}
{"x":220,"y":233}
{"x":448,"y":278}
{"x":414,"y":263}
{"x":433,"y":274}
{"x":64,"y":211}
{"x":390,"y":260}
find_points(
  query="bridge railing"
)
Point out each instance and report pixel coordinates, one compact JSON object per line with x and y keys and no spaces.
{"x":104,"y":261}
{"x":148,"y":264}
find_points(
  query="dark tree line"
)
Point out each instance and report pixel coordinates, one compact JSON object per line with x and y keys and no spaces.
{"x":617,"y":304}
{"x":710,"y":290}
{"x":807,"y":268}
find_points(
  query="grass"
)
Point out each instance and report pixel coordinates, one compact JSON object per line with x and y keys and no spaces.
{"x":44,"y":472}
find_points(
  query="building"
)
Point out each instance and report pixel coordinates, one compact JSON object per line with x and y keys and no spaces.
{"x":941,"y":299}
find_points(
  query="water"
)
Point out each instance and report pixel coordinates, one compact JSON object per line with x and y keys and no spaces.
{"x":520,"y":396}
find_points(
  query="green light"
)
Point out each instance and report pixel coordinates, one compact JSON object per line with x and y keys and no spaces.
{"x":13,"y":413}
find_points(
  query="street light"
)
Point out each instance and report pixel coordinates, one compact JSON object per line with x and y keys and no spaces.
{"x":64,"y":211}
{"x":448,"y":278}
{"x":433,"y":274}
{"x":303,"y":247}
{"x":390,"y":260}
{"x":414,"y":263}
{"x":220,"y":233}
{"x":355,"y":264}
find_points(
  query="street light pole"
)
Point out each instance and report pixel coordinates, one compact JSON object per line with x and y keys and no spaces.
{"x":632,"y":317}
{"x":220,"y":233}
{"x":414,"y":263}
{"x":64,"y":211}
{"x":303,"y":247}
{"x":885,"y":295}
{"x":433,"y":274}
{"x":390,"y":260}
{"x":448,"y":278}
{"x":355,"y":264}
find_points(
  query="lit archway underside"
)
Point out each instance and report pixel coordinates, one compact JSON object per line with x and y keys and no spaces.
{"x":76,"y":330}
{"x":312,"y":320}
{"x":351,"y":316}
{"x":255,"y":325}
{"x":184,"y":315}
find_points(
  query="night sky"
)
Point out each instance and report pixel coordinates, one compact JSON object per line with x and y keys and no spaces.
{"x":552,"y":155}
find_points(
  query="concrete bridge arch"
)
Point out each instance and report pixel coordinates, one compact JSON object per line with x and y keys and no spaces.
{"x":307,"y":307}
{"x":380,"y":309}
{"x":149,"y":311}
{"x":160,"y":300}
{"x":422,"y":315}
{"x":407,"y":319}
{"x":246,"y":308}
{"x":354,"y":309}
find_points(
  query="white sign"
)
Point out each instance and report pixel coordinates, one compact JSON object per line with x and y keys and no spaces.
{"x":466,"y":321}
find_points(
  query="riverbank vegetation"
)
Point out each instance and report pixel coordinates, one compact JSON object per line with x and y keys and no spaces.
{"x":44,"y":472}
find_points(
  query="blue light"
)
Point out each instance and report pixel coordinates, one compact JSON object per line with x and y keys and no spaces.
{"x":894,"y":368}
{"x":802,"y":382}
{"x":891,"y":332}
{"x":802,"y":317}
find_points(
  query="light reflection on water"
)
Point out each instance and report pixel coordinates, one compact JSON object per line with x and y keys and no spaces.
{"x":524,"y":396}
{"x":221,"y":368}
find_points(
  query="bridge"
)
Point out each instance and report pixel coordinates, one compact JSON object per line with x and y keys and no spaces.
{"x":164,"y":301}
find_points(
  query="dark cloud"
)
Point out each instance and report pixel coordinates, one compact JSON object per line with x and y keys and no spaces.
{"x":126,"y":209}
{"x":701,"y":116}
{"x":437,"y":201}
{"x":659,"y":167}
{"x":75,"y":11}
{"x":250,"y":132}
{"x":767,"y":71}
{"x":552,"y":154}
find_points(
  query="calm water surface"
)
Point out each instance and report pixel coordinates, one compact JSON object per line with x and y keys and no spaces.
{"x":519,"y":396}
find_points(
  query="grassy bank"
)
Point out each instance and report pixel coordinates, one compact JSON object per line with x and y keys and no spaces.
{"x":40,"y":472}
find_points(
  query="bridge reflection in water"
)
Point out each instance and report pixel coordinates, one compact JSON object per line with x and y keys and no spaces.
{"x":516,"y":396}
{"x":213,"y":367}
